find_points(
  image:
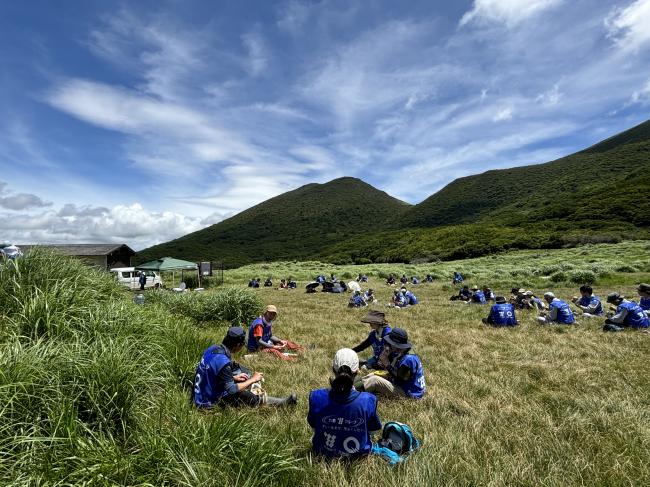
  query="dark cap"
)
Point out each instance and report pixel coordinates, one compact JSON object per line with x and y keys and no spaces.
{"x":614,"y":298}
{"x":643,"y":288}
{"x":374,"y":317}
{"x":235,"y":334}
{"x":500,"y":300}
{"x":398,"y":338}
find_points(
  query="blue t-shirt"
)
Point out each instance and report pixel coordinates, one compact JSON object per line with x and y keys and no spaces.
{"x":410,"y":298}
{"x":645,"y":304}
{"x":357,"y":301}
{"x":378,"y":343}
{"x":342,"y":424}
{"x":503,"y":314}
{"x":635,"y":317}
{"x":207,"y":388}
{"x":415,"y":385}
{"x":564,"y":313}
{"x":591,"y":301}
{"x":267,"y":332}
{"x":478,"y":297}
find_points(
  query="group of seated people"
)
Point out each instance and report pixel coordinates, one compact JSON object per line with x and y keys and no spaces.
{"x":473,"y":295}
{"x":344,"y":415}
{"x":391,"y":280}
{"x":403,"y":298}
{"x":628,"y":314}
{"x":284,"y":283}
{"x":360,"y":299}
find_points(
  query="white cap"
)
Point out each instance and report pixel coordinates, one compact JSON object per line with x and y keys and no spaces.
{"x":346,"y":356}
{"x":549,"y":295}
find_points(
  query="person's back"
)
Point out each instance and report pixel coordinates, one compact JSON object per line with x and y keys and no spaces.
{"x":502,"y":314}
{"x":207,"y":388}
{"x":564,"y":314}
{"x":635,"y":317}
{"x":414,"y":386}
{"x":343,"y":418}
{"x":411,"y":298}
{"x":478,"y":297}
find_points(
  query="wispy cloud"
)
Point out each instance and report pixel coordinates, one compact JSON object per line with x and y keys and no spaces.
{"x":630,"y":26}
{"x":509,"y":12}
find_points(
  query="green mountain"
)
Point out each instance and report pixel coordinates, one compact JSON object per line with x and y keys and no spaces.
{"x":600,"y":194}
{"x":293,"y":225}
{"x":596,"y":185}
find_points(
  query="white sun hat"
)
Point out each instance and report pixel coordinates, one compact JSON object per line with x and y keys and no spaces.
{"x":346,"y":356}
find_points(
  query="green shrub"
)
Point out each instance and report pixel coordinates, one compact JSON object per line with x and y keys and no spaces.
{"x":558,"y":276}
{"x":582,"y":277}
{"x":626,"y":268}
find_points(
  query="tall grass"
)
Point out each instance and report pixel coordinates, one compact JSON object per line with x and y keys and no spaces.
{"x":93,"y":389}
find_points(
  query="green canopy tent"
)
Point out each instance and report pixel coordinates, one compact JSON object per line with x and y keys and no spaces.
{"x":169,"y":264}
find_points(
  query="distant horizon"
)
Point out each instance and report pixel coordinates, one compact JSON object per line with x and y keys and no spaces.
{"x":143,"y":122}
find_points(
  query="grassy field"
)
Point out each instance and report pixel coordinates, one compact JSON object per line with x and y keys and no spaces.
{"x":97,"y":393}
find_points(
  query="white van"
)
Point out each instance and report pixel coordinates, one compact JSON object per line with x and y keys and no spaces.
{"x":129,"y":277}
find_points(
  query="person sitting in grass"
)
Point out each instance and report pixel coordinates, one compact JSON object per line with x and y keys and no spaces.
{"x":268,"y":282}
{"x":398,"y":301}
{"x":477,"y":296}
{"x":644,"y":294}
{"x":405,"y":373}
{"x":390,"y":280}
{"x":369,"y":296}
{"x":488,"y":293}
{"x":379,"y":328}
{"x":415,"y":280}
{"x":501,"y":314}
{"x":464,"y":294}
{"x":283,"y":284}
{"x":589,"y":304}
{"x":457,"y":278}
{"x":628,"y":314}
{"x":356,"y":300}
{"x":343,"y":419}
{"x":218,"y":380}
{"x":261,"y":338}
{"x":291,"y":283}
{"x":362,"y":278}
{"x":429,"y":278}
{"x":559,"y":312}
{"x":320,"y":279}
{"x":530,"y":301}
{"x":403,"y":279}
{"x":411,"y":299}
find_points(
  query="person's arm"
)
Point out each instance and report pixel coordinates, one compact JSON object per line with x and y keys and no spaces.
{"x":591,"y":308}
{"x":265,"y":344}
{"x":552,"y":313}
{"x":226,"y":377}
{"x":373,"y":422}
{"x":364,"y":344}
{"x":619,"y":317}
{"x":311,"y":419}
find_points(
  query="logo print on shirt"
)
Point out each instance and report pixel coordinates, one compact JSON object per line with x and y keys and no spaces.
{"x":329,"y":440}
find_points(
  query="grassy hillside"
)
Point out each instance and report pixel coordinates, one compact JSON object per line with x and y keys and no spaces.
{"x":593,"y":188}
{"x":294,"y":225}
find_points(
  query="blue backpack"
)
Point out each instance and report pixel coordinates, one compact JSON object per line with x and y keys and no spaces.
{"x":397,"y":441}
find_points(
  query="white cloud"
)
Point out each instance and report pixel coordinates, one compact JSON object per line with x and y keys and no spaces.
{"x":630,"y":26}
{"x":503,"y":114}
{"x":509,"y":12}
{"x":132,"y":224}
{"x":551,"y":97}
{"x":293,"y":16}
{"x":642,"y":96}
{"x":19,"y":201}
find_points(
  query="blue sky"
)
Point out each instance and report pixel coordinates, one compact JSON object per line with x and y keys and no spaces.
{"x":139,"y":122}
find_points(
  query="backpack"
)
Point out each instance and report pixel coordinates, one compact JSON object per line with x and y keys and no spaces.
{"x":397,"y":441}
